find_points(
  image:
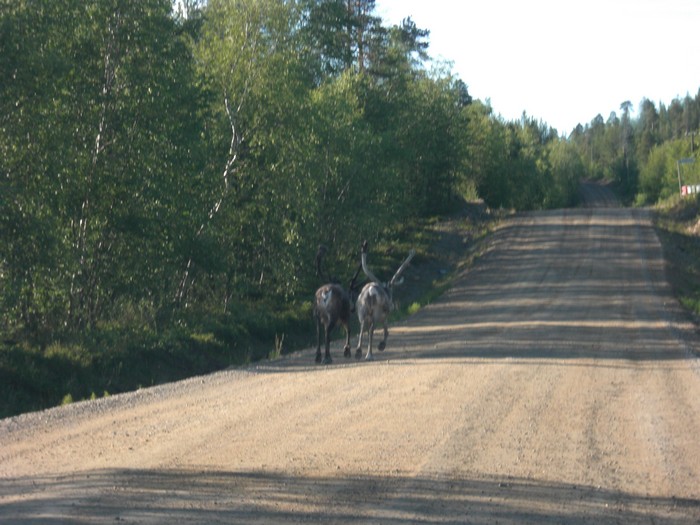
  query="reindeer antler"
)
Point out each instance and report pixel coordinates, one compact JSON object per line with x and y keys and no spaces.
{"x":353,"y":281}
{"x":403,"y":266}
{"x":365,"y":269}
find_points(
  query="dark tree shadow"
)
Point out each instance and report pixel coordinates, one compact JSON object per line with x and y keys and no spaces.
{"x":203,"y":496}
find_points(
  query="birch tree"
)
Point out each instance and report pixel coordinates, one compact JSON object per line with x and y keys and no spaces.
{"x":250,"y":63}
{"x":99,"y":100}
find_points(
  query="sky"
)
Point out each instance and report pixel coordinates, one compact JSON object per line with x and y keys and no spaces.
{"x":562,"y":61}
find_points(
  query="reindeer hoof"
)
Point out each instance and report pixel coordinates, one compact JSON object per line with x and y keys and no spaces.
{"x":347,"y":352}
{"x":358,"y":353}
{"x":318,"y":357}
{"x":369,"y":357}
{"x":382,"y":346}
{"x":327,"y":360}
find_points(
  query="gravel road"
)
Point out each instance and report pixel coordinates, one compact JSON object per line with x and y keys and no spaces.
{"x":555,"y":382}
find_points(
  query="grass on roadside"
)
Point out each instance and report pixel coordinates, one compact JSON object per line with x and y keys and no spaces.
{"x":677,"y":223}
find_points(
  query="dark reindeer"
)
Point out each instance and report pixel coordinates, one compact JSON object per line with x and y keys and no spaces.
{"x":375,"y":302}
{"x":332,"y":305}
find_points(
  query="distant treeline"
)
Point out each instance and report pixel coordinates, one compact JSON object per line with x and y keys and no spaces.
{"x":642,"y":154}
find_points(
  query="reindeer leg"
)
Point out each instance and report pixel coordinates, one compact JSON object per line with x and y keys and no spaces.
{"x":370,"y":332}
{"x":346,"y":351}
{"x":318,"y":337}
{"x":329,"y":329}
{"x":382,"y":344}
{"x":358,"y":350}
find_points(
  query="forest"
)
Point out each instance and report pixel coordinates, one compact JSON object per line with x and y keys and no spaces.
{"x":643,"y":155}
{"x":168,"y":171}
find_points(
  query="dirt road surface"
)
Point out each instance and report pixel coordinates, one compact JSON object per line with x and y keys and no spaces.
{"x":555,"y":382}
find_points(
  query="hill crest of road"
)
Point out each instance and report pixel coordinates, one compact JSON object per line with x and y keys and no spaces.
{"x":555,"y":381}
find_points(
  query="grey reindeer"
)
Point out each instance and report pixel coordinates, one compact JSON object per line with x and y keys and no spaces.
{"x":375,"y":302}
{"x":332,"y":305}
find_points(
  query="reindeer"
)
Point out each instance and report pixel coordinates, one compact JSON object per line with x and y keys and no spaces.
{"x":332,"y":305}
{"x":375,"y":302}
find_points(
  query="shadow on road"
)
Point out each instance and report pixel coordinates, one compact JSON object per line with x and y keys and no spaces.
{"x":200,"y":496}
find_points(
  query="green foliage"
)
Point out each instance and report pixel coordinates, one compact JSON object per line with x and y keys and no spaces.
{"x":276,"y":352}
{"x":100,"y":111}
{"x":166,"y":178}
{"x":521,"y":165}
{"x":567,"y":170}
{"x":691,"y":303}
{"x":659,"y":176}
{"x":640,"y":155}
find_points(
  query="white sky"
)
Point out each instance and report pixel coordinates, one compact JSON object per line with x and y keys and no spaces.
{"x":562,"y":61}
